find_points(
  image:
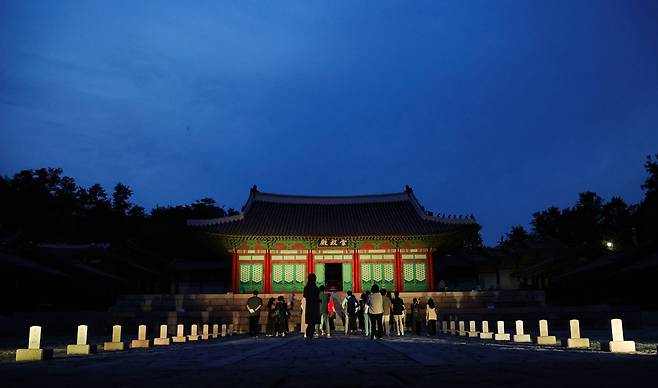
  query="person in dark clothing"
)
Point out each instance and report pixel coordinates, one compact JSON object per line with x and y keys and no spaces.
{"x":253,"y":306}
{"x":398,"y":313}
{"x":281,"y":316}
{"x":360,"y":313}
{"x":349,"y":309}
{"x":416,"y":317}
{"x":271,"y":310}
{"x":312,"y":310}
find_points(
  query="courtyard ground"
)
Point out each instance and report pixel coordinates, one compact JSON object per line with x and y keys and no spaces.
{"x":340,"y":361}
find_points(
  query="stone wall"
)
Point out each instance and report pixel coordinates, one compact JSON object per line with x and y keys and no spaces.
{"x":230,"y":308}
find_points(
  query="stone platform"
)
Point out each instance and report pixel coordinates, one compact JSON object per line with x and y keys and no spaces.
{"x":154,"y":310}
{"x":339,"y":361}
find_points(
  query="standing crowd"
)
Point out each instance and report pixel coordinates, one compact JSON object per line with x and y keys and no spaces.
{"x":379,"y":313}
{"x":369,"y":315}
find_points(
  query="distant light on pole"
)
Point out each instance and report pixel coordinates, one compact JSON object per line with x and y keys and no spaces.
{"x":609,"y":244}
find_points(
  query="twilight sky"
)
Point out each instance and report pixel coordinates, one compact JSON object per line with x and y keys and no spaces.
{"x":496,"y":108}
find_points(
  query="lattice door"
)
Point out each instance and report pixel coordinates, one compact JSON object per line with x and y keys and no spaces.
{"x":251,"y":277}
{"x":415,"y":276}
{"x":347,"y":276}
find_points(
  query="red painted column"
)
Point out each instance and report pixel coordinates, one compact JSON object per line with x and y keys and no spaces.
{"x":430,"y":270}
{"x":267,"y":273}
{"x":396,"y":271}
{"x":356,"y":272}
{"x":309,"y":263}
{"x":235,"y":272}
{"x":399,"y":270}
{"x":312,"y":261}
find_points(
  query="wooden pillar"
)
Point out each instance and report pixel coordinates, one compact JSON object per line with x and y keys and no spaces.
{"x":430,"y":270}
{"x":309,"y":263}
{"x":235,"y":276}
{"x":267,"y":273}
{"x":399,"y":273}
{"x":396,"y":270}
{"x":356,"y":272}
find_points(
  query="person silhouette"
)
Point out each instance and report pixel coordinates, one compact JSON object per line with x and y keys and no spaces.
{"x":312,"y":310}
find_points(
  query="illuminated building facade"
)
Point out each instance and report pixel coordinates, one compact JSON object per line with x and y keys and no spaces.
{"x":349,"y":242}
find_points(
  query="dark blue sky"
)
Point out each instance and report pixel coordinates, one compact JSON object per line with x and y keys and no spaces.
{"x":496,"y":108}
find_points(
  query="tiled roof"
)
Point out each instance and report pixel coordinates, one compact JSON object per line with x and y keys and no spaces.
{"x":397,"y":214}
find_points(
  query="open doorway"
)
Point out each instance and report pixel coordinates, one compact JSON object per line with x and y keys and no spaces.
{"x":333,"y":275}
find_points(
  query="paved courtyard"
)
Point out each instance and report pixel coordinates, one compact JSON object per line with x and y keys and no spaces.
{"x":337,"y":362}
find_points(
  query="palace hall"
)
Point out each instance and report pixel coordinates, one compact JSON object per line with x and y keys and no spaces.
{"x":349,"y":242}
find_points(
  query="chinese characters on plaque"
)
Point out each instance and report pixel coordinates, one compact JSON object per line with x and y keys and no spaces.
{"x":333,"y":242}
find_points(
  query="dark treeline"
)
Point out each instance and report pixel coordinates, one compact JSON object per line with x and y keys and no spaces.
{"x":593,"y":226}
{"x":45,"y":205}
{"x":594,"y":252}
{"x":81,"y":246}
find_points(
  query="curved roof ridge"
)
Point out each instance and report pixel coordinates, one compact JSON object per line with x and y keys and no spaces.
{"x":330,"y":199}
{"x":390,"y":209}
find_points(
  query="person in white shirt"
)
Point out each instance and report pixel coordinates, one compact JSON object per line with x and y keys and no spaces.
{"x":430,"y":317}
{"x":376,"y":308}
{"x":386,"y":315}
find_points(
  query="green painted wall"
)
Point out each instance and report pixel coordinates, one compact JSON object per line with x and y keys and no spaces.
{"x":319,"y":273}
{"x":347,"y":276}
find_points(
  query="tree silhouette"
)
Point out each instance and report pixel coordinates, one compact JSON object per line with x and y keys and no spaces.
{"x":646,"y":215}
{"x":121,"y":198}
{"x":517,"y":235}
